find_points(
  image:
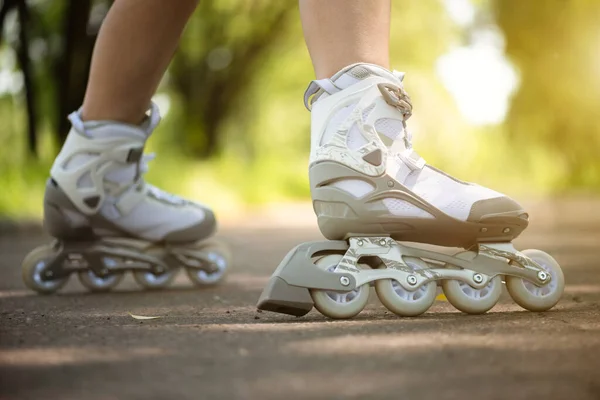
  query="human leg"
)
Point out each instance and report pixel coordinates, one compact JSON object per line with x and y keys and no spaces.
{"x":134,"y":47}
{"x":339,"y":33}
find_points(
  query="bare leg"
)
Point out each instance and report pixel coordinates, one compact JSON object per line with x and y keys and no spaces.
{"x":136,"y":43}
{"x":343,"y":32}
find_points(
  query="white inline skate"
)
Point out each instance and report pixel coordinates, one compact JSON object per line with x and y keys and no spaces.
{"x":107,"y":220}
{"x":370,"y":189}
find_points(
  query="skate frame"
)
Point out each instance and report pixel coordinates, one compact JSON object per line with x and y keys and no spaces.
{"x":75,"y":256}
{"x":476,"y":267}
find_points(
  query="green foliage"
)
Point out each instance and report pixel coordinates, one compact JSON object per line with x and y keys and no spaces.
{"x":224,"y":48}
{"x":235,"y":132}
{"x":555,"y":44}
{"x":22,"y":177}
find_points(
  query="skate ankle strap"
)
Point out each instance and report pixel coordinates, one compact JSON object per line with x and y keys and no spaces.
{"x":316,"y":88}
{"x":396,"y":97}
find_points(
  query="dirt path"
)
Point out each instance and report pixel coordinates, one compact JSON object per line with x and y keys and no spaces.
{"x":212,"y":344}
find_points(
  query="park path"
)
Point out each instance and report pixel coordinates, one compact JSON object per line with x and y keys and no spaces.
{"x":213,"y":344}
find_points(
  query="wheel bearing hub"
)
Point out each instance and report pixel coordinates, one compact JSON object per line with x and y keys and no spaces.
{"x":412,"y":280}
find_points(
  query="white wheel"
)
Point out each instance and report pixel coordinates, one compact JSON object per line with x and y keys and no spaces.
{"x":338,"y":305}
{"x":469,"y":300}
{"x":220,"y":258}
{"x":150,"y":280}
{"x":34,"y":267}
{"x":406,"y":303}
{"x":95,"y":283}
{"x":538,"y":298}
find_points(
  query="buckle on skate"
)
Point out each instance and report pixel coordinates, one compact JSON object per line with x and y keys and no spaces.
{"x":135,"y":155}
{"x":396,"y":97}
{"x":127,"y":155}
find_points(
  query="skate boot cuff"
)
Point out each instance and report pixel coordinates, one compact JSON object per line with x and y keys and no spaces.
{"x":149,"y":123}
{"x":345,"y":78}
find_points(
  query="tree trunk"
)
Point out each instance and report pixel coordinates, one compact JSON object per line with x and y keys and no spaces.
{"x":73,"y":69}
{"x":25,"y":64}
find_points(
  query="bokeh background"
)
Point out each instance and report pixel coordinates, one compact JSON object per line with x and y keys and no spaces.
{"x":506,"y":93}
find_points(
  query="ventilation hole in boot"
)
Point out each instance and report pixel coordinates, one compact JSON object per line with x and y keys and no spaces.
{"x":360,"y":72}
{"x":85,"y":181}
{"x":92,"y":201}
{"x":457,"y":206}
{"x":374,"y":158}
{"x":405,"y":209}
{"x":355,"y":187}
{"x":389,"y":127}
{"x":355,"y":139}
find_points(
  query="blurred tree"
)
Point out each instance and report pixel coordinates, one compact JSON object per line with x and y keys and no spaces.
{"x":225,"y":45}
{"x":220,"y":54}
{"x":79,"y":33}
{"x":54,"y":48}
{"x":22,"y":50}
{"x":555,"y":45}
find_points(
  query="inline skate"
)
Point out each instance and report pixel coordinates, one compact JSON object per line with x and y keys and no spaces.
{"x":107,"y":220}
{"x":370,"y":190}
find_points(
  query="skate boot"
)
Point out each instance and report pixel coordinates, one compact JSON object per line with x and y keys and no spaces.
{"x":107,"y":220}
{"x":370,"y":189}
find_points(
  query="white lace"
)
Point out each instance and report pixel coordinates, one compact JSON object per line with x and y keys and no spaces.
{"x":404,"y":106}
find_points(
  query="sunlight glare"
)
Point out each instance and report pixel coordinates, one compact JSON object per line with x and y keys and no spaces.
{"x":478,"y":76}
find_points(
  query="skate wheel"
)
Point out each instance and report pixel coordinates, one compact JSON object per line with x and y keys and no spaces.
{"x":470,"y":300}
{"x":149,"y":280}
{"x":338,"y":305}
{"x":34,"y":266}
{"x":95,"y":283}
{"x":538,"y":298}
{"x":220,"y":259}
{"x":406,"y":303}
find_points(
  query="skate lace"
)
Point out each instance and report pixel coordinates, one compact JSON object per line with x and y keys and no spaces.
{"x":152,"y":190}
{"x":397,"y":97}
